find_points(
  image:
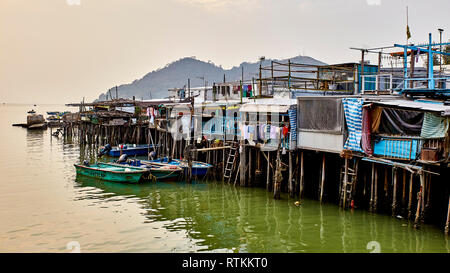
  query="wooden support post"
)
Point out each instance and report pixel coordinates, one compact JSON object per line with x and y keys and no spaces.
{"x":411,"y":179}
{"x":447,"y":224}
{"x":322,"y":182}
{"x":428,"y":203}
{"x":372,"y":185}
{"x":290,"y":183}
{"x":404,"y":189}
{"x":302,"y":176}
{"x":278,"y":176}
{"x":243,"y":163}
{"x":375,"y":191}
{"x":268,"y":171}
{"x":344,"y":185}
{"x":250,"y":167}
{"x":419,"y":200}
{"x":394,"y":191}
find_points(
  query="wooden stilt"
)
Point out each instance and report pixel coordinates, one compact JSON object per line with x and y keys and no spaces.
{"x":268,"y":171}
{"x":410,"y":195}
{"x":394,"y":191}
{"x":250,"y":166}
{"x":344,"y":186}
{"x":419,"y":200}
{"x":302,"y":175}
{"x":447,"y":224}
{"x":375,"y":191}
{"x":372,"y":185}
{"x":243,"y":163}
{"x":322,"y":182}
{"x":290,"y":184}
{"x":428,"y":203}
{"x":404,"y":189}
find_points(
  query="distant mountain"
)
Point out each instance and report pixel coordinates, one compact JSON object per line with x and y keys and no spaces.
{"x":176,"y":74}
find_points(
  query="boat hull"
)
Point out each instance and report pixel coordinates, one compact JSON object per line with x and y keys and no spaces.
{"x":198,"y":168}
{"x":130,"y":151}
{"x":160,"y":172}
{"x":108,"y":173}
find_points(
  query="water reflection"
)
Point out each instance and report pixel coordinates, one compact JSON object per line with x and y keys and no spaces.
{"x":222,"y":217}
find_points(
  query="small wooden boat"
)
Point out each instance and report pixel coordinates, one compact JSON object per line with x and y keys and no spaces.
{"x":128,"y":149}
{"x":111,"y":172}
{"x":198,"y":168}
{"x":159,"y":171}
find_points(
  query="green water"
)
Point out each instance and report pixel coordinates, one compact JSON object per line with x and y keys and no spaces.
{"x":45,"y":207}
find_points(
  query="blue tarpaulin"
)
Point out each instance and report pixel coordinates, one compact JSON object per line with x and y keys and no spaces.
{"x":397,"y":148}
{"x":353,"y":118}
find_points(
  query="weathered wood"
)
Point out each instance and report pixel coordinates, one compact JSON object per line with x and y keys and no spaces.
{"x":302,"y":175}
{"x":394,"y":192}
{"x":250,"y":167}
{"x":344,"y":185}
{"x":212,"y":149}
{"x":290,"y":183}
{"x":411,"y":179}
{"x":375,"y":191}
{"x":419,"y":201}
{"x":268,"y":171}
{"x":322,"y":182}
{"x":243,"y":163}
{"x":372,"y":186}
{"x":447,"y":223}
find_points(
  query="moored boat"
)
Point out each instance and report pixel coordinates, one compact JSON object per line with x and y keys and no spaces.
{"x":159,"y":171}
{"x":198,"y":168}
{"x":111,"y":172}
{"x":128,"y":149}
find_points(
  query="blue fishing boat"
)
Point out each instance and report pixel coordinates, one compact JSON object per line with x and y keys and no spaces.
{"x":158,"y":171}
{"x":198,"y":168}
{"x":111,"y":172}
{"x":128,"y":149}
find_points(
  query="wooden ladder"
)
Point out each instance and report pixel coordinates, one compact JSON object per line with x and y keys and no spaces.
{"x":229,"y":167}
{"x":348,"y":185}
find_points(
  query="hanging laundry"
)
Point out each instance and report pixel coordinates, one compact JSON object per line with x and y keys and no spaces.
{"x":273,"y":132}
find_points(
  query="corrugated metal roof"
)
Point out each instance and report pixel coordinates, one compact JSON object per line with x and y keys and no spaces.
{"x":443,"y":110}
{"x":268,"y":105}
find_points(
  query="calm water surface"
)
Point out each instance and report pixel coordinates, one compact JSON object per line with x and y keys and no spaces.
{"x":44,"y":207}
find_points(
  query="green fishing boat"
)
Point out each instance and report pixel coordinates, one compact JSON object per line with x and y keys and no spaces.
{"x":111,"y":172}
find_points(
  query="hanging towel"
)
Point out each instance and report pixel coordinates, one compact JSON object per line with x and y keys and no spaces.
{"x":273,"y":132}
{"x":353,"y":118}
{"x":434,"y":126}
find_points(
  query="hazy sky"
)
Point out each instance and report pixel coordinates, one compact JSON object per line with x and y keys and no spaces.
{"x":57,"y":51}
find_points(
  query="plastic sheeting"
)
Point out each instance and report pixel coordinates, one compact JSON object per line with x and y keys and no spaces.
{"x":366,"y":131}
{"x":400,"y":122}
{"x":353,"y":117}
{"x":434,"y":126}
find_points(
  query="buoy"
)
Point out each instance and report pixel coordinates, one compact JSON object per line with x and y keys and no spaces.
{"x":297,"y":203}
